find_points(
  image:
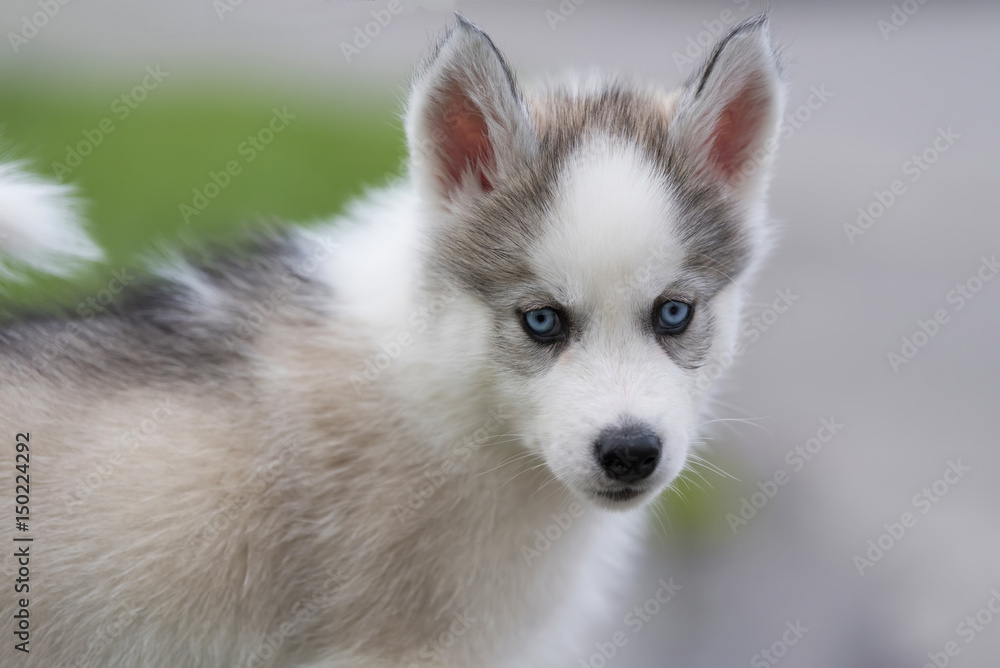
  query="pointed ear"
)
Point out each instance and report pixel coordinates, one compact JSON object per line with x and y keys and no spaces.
{"x":727,"y":118}
{"x":466,"y":125}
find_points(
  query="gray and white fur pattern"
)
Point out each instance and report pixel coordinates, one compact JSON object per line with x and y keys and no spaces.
{"x":330,"y":448}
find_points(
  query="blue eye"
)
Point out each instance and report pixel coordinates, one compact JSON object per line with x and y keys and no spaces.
{"x":543,"y":323}
{"x":674,"y":317}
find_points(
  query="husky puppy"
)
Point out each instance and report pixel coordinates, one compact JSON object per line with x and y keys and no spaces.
{"x":421,"y":435}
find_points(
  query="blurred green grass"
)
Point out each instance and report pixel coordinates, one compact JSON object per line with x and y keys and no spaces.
{"x":135,"y":179}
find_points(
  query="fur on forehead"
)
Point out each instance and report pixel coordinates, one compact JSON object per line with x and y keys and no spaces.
{"x":491,"y":162}
{"x":612,"y":134}
{"x":608,"y":231}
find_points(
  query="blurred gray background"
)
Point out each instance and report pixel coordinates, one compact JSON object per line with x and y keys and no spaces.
{"x":873,"y":85}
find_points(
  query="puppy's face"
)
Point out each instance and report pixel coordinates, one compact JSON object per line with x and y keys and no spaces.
{"x":604,"y":344}
{"x":600,"y":233}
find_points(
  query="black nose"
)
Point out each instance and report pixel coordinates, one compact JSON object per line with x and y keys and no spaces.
{"x":628,"y":454}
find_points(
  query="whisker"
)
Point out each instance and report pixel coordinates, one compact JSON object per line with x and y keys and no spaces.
{"x":701,"y":461}
{"x":509,"y":460}
{"x":555,"y":490}
{"x":675,"y":490}
{"x":660,"y":513}
{"x":530,"y":468}
{"x":749,"y":421}
{"x":698,"y":473}
{"x":688,"y":481}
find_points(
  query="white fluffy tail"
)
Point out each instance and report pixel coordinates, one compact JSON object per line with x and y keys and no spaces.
{"x":40,"y":225}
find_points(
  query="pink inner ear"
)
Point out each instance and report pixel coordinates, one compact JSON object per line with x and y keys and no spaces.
{"x":465,"y":143}
{"x":736,"y":132}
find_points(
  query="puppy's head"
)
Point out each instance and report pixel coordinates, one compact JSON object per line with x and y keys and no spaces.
{"x":600,"y":233}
